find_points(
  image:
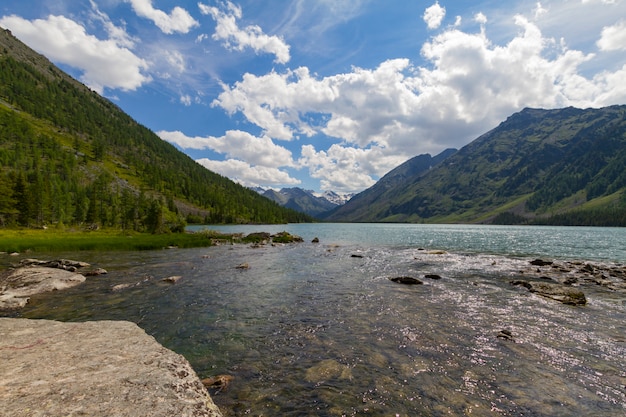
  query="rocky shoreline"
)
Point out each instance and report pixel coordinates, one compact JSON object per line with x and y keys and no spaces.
{"x":33,"y":276}
{"x":113,"y":368}
{"x":98,"y":368}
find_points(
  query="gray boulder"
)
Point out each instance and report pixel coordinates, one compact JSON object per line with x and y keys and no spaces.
{"x":18,"y":285}
{"x":97,"y":369}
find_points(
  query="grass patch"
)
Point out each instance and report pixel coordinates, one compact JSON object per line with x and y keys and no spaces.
{"x":52,"y":240}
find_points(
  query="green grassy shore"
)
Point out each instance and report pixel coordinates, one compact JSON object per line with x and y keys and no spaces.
{"x":53,"y":240}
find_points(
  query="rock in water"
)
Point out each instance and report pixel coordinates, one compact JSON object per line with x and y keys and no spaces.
{"x":219,"y":383}
{"x":541,"y":262}
{"x":432,"y":276}
{"x":16,"y":286}
{"x":505,"y":334}
{"x":173,"y":279}
{"x":326,"y":370}
{"x":97,"y":369}
{"x":563,"y":293}
{"x":406,"y":280}
{"x":96,"y":272}
{"x":285,"y":237}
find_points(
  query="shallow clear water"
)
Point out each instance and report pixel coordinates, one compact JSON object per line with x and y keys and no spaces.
{"x":312,"y":329}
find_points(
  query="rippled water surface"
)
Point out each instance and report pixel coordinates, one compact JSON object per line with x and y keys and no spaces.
{"x":320,"y":330}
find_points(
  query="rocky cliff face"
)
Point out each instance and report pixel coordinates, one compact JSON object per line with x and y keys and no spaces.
{"x":101,"y":368}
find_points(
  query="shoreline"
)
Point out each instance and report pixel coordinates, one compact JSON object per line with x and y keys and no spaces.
{"x":609,"y":277}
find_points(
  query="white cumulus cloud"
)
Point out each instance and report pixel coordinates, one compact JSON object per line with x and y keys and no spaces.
{"x":250,"y":160}
{"x":236,"y":144}
{"x":104,"y":63}
{"x":178,"y":20}
{"x":397,"y":110}
{"x":539,"y":10}
{"x":344,"y":168}
{"x":480,"y":18}
{"x":433,"y":15}
{"x":247,"y":175}
{"x":613,"y":37}
{"x":252,"y":36}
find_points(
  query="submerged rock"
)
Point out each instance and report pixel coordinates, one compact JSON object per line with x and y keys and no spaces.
{"x":18,"y":285}
{"x":120,"y":287}
{"x":127,"y":285}
{"x":97,"y":369}
{"x":563,"y":293}
{"x":326,"y":370}
{"x":406,"y":280}
{"x":96,"y":272}
{"x":219,"y":383}
{"x":173,"y":279}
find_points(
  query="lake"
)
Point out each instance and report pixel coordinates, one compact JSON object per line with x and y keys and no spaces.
{"x":318,"y":329}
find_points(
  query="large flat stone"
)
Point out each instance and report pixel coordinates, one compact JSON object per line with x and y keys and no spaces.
{"x":99,"y":368}
{"x":17,"y":285}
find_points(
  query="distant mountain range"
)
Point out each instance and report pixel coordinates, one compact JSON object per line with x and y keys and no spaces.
{"x":564,"y":166}
{"x":306,"y":201}
{"x":323,"y":205}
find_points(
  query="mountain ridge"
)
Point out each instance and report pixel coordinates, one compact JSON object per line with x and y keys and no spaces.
{"x":306,"y":201}
{"x":537,"y":166}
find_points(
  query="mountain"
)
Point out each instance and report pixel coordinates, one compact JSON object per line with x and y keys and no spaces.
{"x":563,"y":166}
{"x":305,"y":201}
{"x":335,"y":198}
{"x":362,"y":206}
{"x":69,"y":156}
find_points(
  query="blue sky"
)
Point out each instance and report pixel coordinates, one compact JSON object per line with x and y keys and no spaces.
{"x":329,"y":94}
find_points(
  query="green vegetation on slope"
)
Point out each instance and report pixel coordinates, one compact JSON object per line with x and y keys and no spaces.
{"x":69,"y":156}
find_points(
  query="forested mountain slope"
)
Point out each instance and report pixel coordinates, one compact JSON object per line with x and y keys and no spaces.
{"x":68,"y":155}
{"x":565,"y":166}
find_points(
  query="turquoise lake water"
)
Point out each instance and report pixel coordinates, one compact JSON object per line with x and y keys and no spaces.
{"x":320,"y":330}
